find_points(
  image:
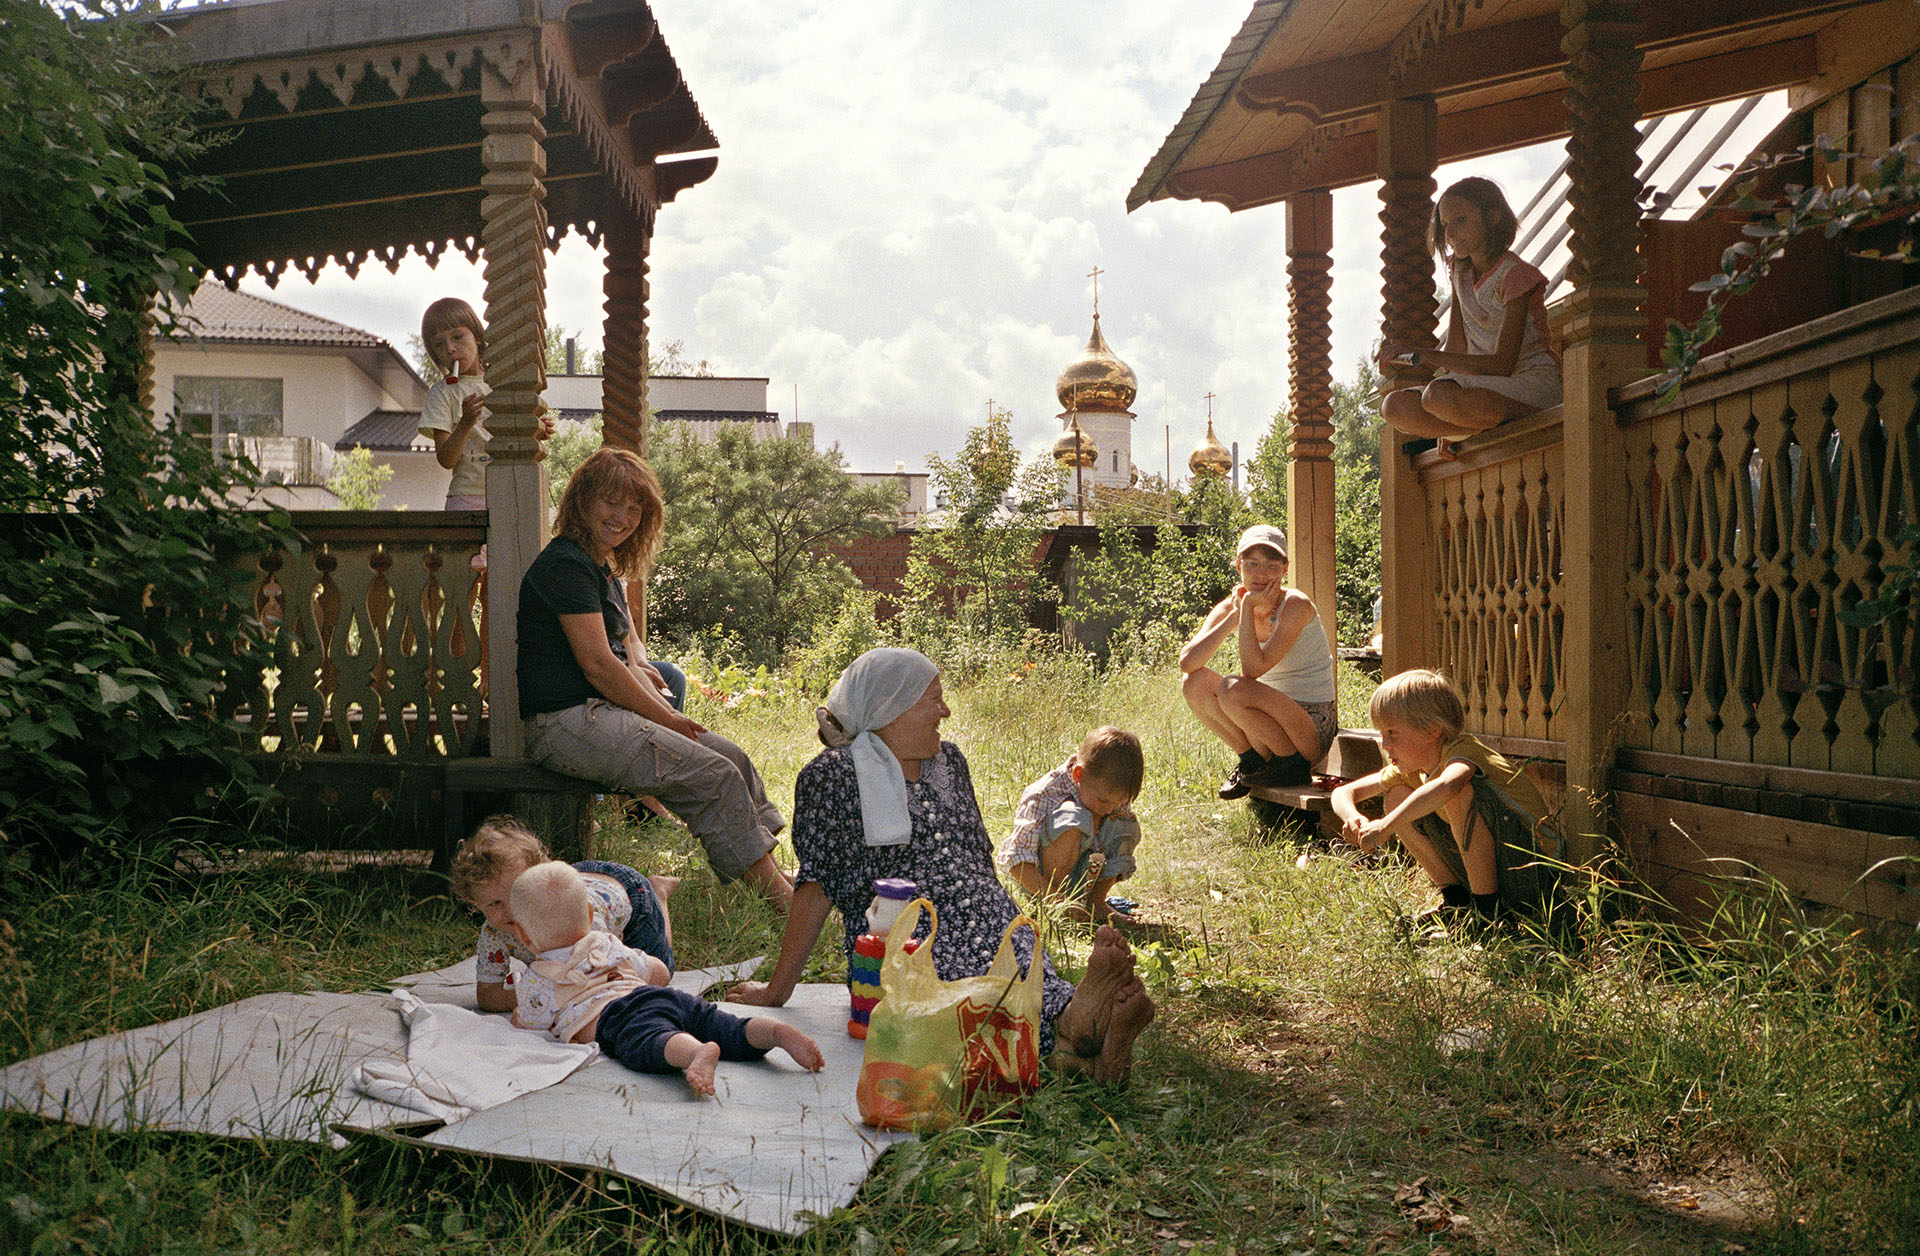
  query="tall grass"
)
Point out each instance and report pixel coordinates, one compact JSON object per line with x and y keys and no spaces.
{"x":1647,"y":1090}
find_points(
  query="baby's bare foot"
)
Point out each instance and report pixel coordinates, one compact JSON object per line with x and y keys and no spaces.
{"x":1132,"y":1012}
{"x":700,"y":1072}
{"x":1082,"y":1025}
{"x":804,"y":1050}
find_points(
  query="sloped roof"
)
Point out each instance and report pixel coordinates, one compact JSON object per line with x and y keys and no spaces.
{"x":386,"y":431}
{"x":353,"y":129}
{"x":1295,"y":100}
{"x":221,"y":316}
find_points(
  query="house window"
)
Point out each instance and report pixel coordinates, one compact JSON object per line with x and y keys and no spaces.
{"x":211,"y":406}
{"x":1116,"y":462}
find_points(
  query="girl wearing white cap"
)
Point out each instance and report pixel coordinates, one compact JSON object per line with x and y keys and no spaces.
{"x":1278,"y":713}
{"x":889,"y":798}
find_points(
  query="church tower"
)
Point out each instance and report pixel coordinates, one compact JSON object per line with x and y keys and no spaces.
{"x":1101,"y":388}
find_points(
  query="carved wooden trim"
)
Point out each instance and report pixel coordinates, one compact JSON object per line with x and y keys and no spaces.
{"x":623,"y":398}
{"x":1310,"y":324}
{"x":514,"y":230}
{"x":340,"y":73}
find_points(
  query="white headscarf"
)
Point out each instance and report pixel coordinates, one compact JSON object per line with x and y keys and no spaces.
{"x":876,"y":689}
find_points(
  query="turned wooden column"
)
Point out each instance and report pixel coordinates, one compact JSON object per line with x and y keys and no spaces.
{"x":623,"y":387}
{"x":1603,"y":350}
{"x":1310,"y":400}
{"x":1409,"y":314}
{"x":513,"y":234}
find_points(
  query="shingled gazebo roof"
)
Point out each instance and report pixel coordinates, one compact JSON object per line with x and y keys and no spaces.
{"x":352,"y":129}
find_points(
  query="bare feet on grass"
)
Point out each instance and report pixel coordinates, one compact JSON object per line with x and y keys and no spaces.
{"x":764,"y":1031}
{"x":700,"y":1072}
{"x":663,"y":885}
{"x":1081,"y":1029}
{"x":1132,"y":1013}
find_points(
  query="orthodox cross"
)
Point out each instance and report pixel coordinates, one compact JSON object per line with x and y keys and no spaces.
{"x":1094,"y":275}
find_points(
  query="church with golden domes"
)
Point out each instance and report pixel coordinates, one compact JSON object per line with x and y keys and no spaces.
{"x":1098,"y":389}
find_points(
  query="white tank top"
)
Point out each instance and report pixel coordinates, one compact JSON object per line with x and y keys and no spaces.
{"x":1306,"y":673}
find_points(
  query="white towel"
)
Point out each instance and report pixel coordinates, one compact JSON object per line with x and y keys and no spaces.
{"x":460,"y":1062}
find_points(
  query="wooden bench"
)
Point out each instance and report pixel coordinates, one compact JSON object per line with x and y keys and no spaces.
{"x":1355,"y":753}
{"x":551,"y":803}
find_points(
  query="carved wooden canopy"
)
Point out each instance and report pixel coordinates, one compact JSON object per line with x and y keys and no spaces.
{"x":1294,"y":102}
{"x":351,"y":129}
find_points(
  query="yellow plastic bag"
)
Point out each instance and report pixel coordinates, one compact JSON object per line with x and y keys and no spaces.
{"x":937,"y":1050}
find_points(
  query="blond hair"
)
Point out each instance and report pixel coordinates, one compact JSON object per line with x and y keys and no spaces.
{"x":449,"y":312}
{"x":1421,"y":699}
{"x":1113,"y":757}
{"x":549,"y":901}
{"x":612,"y":474}
{"x":499,"y":843}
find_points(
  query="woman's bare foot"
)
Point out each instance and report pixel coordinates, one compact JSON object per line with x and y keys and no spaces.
{"x":700,"y":1072}
{"x":1132,"y":1012}
{"x":663,"y":885}
{"x":764,"y":1031}
{"x":1081,"y":1028}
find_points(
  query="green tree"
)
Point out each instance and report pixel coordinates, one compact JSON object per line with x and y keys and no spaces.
{"x":748,"y":523}
{"x":357,"y":480}
{"x":120,"y":598}
{"x":1356,"y":504}
{"x":1267,"y":471}
{"x":971,"y":574}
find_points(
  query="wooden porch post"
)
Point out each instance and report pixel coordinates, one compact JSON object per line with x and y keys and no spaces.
{"x":1410,"y":313}
{"x":623,"y":389}
{"x":1603,"y":350}
{"x":1310,"y":400}
{"x":513,"y":234}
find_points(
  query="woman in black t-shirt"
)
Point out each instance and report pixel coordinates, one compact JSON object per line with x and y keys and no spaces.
{"x":594,"y":708}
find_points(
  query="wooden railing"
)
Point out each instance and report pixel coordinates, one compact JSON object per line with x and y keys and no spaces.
{"x":377,"y":632}
{"x":1769,"y":500}
{"x":1494,"y":516}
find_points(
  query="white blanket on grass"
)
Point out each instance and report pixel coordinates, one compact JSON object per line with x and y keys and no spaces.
{"x":459,"y":1062}
{"x":775,"y":1148}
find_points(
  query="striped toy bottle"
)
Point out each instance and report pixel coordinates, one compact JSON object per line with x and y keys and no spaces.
{"x":890,"y":897}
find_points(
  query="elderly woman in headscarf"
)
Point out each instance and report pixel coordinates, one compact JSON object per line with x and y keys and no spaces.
{"x":889,"y":798}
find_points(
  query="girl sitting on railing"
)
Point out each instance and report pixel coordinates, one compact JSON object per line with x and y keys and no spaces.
{"x":1497,"y":363}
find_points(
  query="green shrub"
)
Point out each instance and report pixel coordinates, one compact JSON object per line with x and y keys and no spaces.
{"x":123,"y":641}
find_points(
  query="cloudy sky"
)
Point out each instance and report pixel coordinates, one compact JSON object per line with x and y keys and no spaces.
{"x":908,"y":202}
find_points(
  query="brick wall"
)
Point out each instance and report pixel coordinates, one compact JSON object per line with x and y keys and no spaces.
{"x":879,"y":563}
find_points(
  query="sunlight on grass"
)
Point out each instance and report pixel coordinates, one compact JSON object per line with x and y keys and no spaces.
{"x":1644,"y":1089}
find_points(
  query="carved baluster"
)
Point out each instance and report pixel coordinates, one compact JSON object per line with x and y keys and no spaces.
{"x":1738,"y":624}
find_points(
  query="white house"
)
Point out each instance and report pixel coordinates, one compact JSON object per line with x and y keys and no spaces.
{"x":285,"y":385}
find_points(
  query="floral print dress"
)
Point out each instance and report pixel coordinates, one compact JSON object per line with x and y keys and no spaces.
{"x":949,"y":856}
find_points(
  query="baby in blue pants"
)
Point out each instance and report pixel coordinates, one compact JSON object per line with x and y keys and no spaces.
{"x":585,"y":985}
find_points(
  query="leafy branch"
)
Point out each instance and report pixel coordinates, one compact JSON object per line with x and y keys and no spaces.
{"x":1889,"y":183}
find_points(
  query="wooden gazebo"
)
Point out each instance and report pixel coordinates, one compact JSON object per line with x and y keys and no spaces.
{"x":1642,"y":601}
{"x":353,"y":132}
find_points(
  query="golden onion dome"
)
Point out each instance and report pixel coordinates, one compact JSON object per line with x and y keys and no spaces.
{"x":1097,"y":380}
{"x":1075,"y":448}
{"x":1210,"y":457}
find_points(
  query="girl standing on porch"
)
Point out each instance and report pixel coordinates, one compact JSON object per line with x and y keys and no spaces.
{"x":1497,"y":364}
{"x":454,"y":414}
